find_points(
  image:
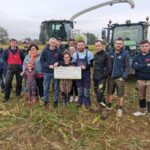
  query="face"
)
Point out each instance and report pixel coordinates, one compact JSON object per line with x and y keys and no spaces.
{"x":13,"y":44}
{"x":81,"y":46}
{"x":98,"y":46}
{"x":119,"y":45}
{"x":71,"y":43}
{"x":26,"y":45}
{"x":145,"y":47}
{"x":67,"y":58}
{"x":33,"y":51}
{"x":59,"y":43}
{"x":29,"y":66}
{"x":71,"y":50}
{"x":52,"y":43}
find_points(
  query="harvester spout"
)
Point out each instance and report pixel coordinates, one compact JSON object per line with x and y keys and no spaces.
{"x":131,"y":2}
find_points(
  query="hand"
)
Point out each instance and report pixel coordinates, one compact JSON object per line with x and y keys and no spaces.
{"x":83,"y":67}
{"x":21,"y":73}
{"x":148,"y":65}
{"x":51,"y":66}
{"x":120,"y":79}
{"x":56,"y":64}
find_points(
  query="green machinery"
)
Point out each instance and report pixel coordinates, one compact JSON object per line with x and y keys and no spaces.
{"x":132,"y":33}
{"x":64,"y":28}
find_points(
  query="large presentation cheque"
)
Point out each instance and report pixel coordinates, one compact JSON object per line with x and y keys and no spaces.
{"x":67,"y":73}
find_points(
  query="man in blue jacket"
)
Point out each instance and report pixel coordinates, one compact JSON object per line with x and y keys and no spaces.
{"x":50,"y":58}
{"x":141,"y":64}
{"x":120,"y":69}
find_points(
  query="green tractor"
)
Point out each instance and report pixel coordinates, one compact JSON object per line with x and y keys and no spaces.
{"x":132,"y":33}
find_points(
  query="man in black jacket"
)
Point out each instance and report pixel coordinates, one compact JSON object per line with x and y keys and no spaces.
{"x":14,"y":58}
{"x":102,"y":69}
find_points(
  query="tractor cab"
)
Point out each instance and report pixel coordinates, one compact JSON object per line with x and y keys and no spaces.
{"x":132,"y":33}
{"x":56,"y":28}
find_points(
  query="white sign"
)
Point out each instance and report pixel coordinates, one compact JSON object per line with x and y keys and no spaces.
{"x":67,"y":73}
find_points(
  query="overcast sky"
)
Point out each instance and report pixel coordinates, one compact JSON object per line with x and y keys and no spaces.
{"x":22,"y":18}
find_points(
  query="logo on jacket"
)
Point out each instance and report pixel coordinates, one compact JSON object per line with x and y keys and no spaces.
{"x":119,"y":57}
{"x":56,"y":56}
{"x":147,"y":60}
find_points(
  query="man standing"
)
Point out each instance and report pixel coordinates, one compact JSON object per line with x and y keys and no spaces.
{"x":25,"y":50}
{"x":141,"y":64}
{"x":14,"y":58}
{"x":59,"y":45}
{"x":84,"y":59}
{"x":102,"y":69}
{"x":50,"y":58}
{"x":120,"y":69}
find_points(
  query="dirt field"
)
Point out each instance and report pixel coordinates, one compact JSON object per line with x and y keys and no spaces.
{"x":24,"y":127}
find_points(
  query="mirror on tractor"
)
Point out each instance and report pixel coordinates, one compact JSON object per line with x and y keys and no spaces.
{"x":103,"y":34}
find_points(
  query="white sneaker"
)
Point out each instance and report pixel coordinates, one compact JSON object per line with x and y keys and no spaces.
{"x":76,"y":99}
{"x":71,"y":99}
{"x":138,"y":113}
{"x":120,"y":112}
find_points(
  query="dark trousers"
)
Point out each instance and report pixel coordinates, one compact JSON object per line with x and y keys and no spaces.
{"x":83,"y":87}
{"x":74,"y":89}
{"x":8,"y":83}
{"x":40,"y":89}
{"x":2,"y":82}
{"x":99,"y":89}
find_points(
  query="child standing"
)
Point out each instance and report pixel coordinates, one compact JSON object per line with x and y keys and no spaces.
{"x":65,"y":85}
{"x":74,"y":90}
{"x":30,"y":77}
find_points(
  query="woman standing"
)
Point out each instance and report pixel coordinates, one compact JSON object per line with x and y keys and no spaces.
{"x":34,"y":56}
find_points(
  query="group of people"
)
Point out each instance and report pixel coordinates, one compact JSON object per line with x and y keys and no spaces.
{"x":110,"y":69}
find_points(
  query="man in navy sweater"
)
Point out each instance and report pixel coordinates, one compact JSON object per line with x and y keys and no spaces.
{"x":141,"y":64}
{"x":50,"y":58}
{"x":120,"y":61}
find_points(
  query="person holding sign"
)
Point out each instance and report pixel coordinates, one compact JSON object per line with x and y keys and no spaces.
{"x":51,"y":58}
{"x":84,"y":59}
{"x":66,"y":84}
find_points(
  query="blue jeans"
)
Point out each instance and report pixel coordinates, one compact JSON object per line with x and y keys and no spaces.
{"x":47,"y":80}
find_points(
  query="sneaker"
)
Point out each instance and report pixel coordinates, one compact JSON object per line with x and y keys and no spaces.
{"x":42,"y":99}
{"x":109,"y":108}
{"x":76,"y":99}
{"x":138,"y":113}
{"x":71,"y":99}
{"x":119,"y":113}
